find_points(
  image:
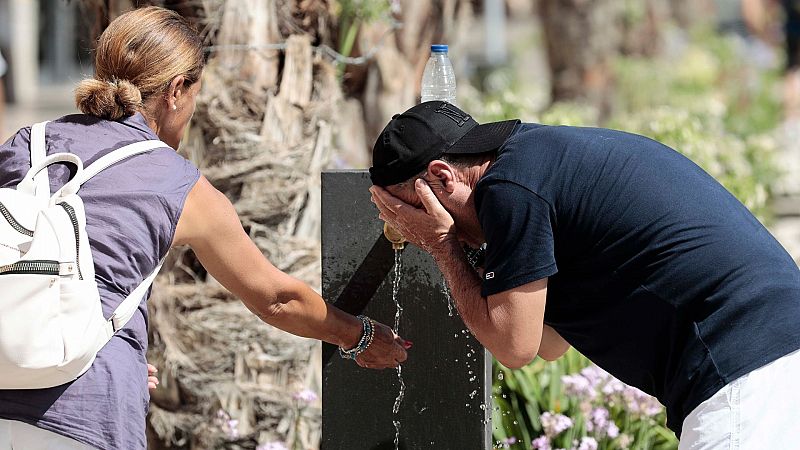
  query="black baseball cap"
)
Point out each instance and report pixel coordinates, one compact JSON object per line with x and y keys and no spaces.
{"x":426,"y":132}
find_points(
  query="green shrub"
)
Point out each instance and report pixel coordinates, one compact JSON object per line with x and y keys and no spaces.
{"x":570,"y":403}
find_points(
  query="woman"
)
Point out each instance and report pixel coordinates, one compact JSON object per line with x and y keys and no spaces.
{"x":147,"y":75}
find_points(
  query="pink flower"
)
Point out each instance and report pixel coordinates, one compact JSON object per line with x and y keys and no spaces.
{"x":579,"y":386}
{"x":638,"y":402}
{"x":232,"y":429}
{"x":306,"y":396}
{"x":612,"y":431}
{"x":588,"y":443}
{"x":553,"y":424}
{"x":541,"y":443}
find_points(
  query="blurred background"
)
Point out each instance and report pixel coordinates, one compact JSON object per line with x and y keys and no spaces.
{"x":297,"y":86}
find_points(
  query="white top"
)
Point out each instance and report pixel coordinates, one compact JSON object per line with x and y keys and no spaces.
{"x":3,"y":65}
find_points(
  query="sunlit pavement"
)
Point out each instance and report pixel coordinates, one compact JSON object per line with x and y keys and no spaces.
{"x":52,"y":101}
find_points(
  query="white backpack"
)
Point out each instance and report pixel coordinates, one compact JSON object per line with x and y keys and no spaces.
{"x":51,"y":320}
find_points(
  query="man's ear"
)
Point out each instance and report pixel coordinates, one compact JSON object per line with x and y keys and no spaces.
{"x":444,"y":173}
{"x":175,"y":90}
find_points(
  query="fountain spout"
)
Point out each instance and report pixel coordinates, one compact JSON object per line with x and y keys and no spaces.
{"x":394,"y":236}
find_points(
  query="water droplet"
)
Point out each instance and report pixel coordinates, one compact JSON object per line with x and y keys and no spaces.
{"x":500,"y":376}
{"x":504,"y":395}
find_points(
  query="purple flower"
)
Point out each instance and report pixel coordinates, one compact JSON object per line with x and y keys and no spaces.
{"x":612,"y":431}
{"x":541,"y":443}
{"x":588,"y":443}
{"x":553,"y":424}
{"x":275,"y":445}
{"x":306,"y":396}
{"x":595,"y":375}
{"x":579,"y":386}
{"x":637,"y":402}
{"x":231,"y":428}
{"x":600,"y":417}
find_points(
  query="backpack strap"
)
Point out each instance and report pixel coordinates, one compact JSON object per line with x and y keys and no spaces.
{"x":106,"y":161}
{"x":119,"y":155}
{"x":38,"y":148}
{"x":128,"y":307}
{"x":28,"y":183}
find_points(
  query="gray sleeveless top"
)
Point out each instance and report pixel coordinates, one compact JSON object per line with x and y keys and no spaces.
{"x":132,"y":209}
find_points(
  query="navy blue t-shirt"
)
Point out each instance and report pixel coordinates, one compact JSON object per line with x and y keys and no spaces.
{"x":656,"y":272}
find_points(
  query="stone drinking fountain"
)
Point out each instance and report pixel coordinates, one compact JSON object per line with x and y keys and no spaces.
{"x":448,"y":374}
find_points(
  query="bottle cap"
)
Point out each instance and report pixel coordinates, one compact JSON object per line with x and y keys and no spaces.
{"x":439,"y":48}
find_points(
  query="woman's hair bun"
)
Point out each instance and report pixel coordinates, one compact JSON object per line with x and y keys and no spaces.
{"x":111,"y":100}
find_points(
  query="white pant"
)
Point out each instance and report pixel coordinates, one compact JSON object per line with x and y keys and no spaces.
{"x":760,"y":410}
{"x":16,"y":435}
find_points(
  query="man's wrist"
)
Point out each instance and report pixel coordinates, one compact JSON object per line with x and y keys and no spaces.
{"x":447,"y":250}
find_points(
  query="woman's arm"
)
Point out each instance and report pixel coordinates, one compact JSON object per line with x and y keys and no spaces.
{"x":210,"y":226}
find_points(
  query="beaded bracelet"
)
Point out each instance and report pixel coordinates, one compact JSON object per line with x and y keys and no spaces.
{"x":363,"y":343}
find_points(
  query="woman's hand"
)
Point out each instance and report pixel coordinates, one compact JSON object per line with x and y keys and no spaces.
{"x":429,"y":227}
{"x":152,"y":380}
{"x":387,"y":349}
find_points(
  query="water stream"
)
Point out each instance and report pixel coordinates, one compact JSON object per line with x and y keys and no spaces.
{"x":448,"y":298}
{"x":398,"y":271}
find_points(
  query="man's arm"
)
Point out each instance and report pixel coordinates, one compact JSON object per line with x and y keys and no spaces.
{"x":508,"y":324}
{"x":553,"y":346}
{"x":516,"y":333}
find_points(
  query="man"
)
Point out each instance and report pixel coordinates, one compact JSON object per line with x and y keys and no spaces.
{"x":614,"y":244}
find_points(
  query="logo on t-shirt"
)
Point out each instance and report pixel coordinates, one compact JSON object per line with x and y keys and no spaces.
{"x":490,"y":275}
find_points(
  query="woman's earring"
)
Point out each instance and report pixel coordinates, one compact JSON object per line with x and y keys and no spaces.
{"x":174,"y":107}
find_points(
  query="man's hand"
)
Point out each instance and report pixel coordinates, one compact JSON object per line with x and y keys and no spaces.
{"x":387,"y":349}
{"x":428,"y":227}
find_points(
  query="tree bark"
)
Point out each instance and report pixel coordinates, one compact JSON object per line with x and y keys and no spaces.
{"x":581,"y":38}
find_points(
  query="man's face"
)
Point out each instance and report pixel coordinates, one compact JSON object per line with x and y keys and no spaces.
{"x":458,"y":203}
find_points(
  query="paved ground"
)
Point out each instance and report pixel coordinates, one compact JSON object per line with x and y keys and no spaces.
{"x":53,"y":101}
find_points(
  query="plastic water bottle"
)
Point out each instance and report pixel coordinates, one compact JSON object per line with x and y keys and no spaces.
{"x":439,"y":80}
